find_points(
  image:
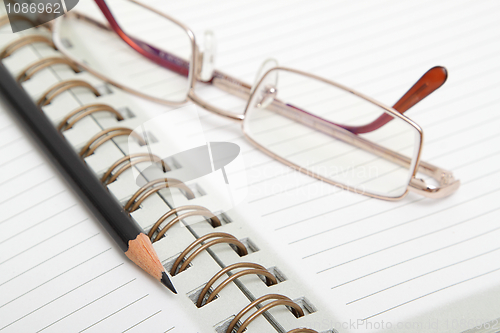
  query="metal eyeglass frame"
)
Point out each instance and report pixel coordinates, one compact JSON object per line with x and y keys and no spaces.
{"x":427,"y":84}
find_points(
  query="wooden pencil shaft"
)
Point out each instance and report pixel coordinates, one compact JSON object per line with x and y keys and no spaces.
{"x":142,"y":253}
{"x":107,"y":210}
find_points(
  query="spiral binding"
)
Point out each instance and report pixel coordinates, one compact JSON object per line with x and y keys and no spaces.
{"x":110,"y":177}
{"x":155,"y":186}
{"x":220,"y":237}
{"x":4,"y":20}
{"x":278,"y":300}
{"x":22,"y":42}
{"x":61,"y":87}
{"x":266,"y":307}
{"x":83,"y":111}
{"x":105,"y":135}
{"x":37,"y":66}
{"x":196,"y":211}
{"x":254,"y":269}
{"x":157,"y":231}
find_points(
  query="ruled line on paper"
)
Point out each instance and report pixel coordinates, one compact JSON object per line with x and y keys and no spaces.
{"x":434,"y":123}
{"x":362,"y":200}
{"x":34,"y":205}
{"x":48,"y":259}
{"x":23,"y":173}
{"x":410,"y":52}
{"x":11,"y":142}
{"x":334,"y":45}
{"x":486,"y":122}
{"x":481,"y":159}
{"x":461,"y":242}
{"x":446,"y":102}
{"x":35,"y":319}
{"x":294,"y":6}
{"x":299,"y":11}
{"x":55,"y":277}
{"x":395,"y":41}
{"x":477,"y":131}
{"x":422,"y":275}
{"x":152,"y":305}
{"x":202,"y":18}
{"x":43,"y":241}
{"x":30,"y":188}
{"x":454,"y":52}
{"x":61,"y":296}
{"x":14,"y":150}
{"x":463,"y":147}
{"x":343,"y":225}
{"x":228,"y":52}
{"x":427,"y":143}
{"x":145,"y":319}
{"x":170,"y":329}
{"x":86,"y":305}
{"x":382,"y":212}
{"x":405,"y":223}
{"x":319,"y":36}
{"x":15,"y":158}
{"x":40,"y":222}
{"x":462,"y":130}
{"x":419,"y":35}
{"x":419,"y":256}
{"x":435,"y":291}
{"x":121,"y":309}
{"x":431,"y":252}
{"x":275,"y":194}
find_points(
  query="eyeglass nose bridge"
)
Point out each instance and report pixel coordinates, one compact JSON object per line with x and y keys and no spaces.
{"x":206,"y":59}
{"x":268,"y":95}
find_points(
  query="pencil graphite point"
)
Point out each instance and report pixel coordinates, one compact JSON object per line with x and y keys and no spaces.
{"x":165,"y":280}
{"x":142,"y":253}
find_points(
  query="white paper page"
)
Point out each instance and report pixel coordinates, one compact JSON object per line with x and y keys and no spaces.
{"x":428,"y":265}
{"x":59,"y":270}
{"x":417,"y":262}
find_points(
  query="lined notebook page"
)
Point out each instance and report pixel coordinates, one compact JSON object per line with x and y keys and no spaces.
{"x":59,"y":270}
{"x":414,"y":262}
{"x":417,"y":261}
{"x":418,"y":264}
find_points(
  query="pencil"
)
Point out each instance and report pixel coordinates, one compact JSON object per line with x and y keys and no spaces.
{"x":126,"y":232}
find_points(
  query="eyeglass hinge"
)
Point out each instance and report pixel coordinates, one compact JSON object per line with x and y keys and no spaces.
{"x":448,"y":185}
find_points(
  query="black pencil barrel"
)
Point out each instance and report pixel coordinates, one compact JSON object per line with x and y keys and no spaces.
{"x":107,"y":210}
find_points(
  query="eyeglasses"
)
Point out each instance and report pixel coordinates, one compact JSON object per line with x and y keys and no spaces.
{"x":314,"y":125}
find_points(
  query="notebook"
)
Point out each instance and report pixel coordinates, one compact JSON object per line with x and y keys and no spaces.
{"x":68,"y":293}
{"x":352,"y":263}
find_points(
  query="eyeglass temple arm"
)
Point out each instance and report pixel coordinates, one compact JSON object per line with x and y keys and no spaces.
{"x":156,"y":55}
{"x":426,"y":85}
{"x":447,"y":183}
{"x":165,"y":59}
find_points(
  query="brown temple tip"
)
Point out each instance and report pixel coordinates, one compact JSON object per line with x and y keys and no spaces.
{"x":426,"y":85}
{"x":165,"y":280}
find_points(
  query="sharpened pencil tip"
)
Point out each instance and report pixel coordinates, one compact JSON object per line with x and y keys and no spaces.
{"x":165,"y":280}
